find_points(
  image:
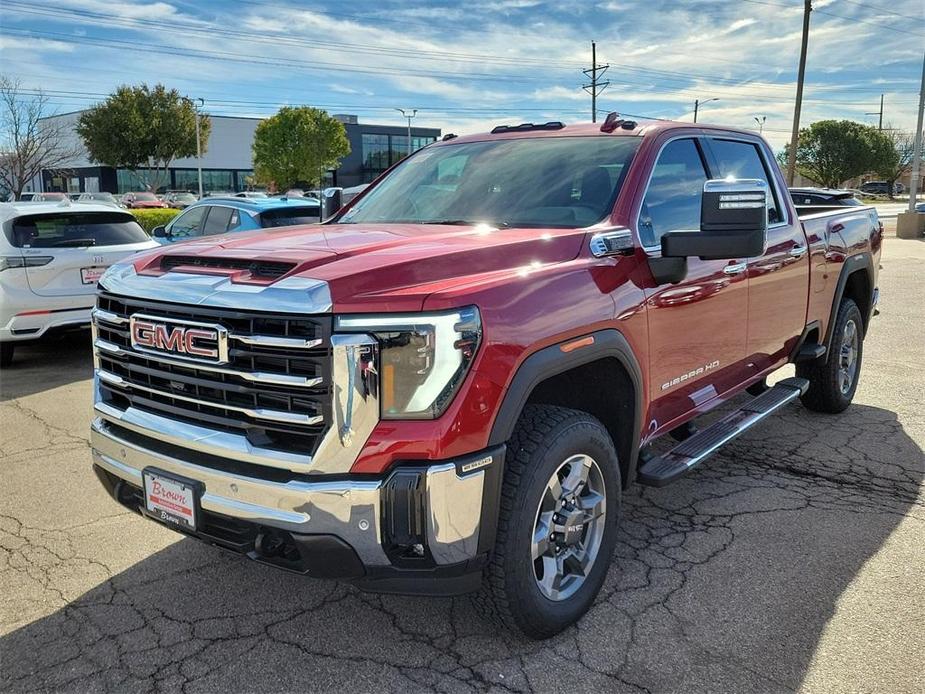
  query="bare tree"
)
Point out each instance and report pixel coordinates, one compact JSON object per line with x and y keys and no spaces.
{"x":895,"y":167}
{"x":30,"y":142}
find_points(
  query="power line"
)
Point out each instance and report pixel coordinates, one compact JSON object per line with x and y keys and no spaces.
{"x":275,"y":39}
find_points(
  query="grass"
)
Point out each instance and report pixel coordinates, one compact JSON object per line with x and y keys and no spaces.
{"x":148,"y":219}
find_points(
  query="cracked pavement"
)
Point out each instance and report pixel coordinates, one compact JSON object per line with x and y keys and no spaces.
{"x":793,"y":560}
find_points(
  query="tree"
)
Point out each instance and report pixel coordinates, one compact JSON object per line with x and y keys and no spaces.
{"x":32,"y":139}
{"x":830,"y":152}
{"x":143,"y":130}
{"x":899,"y":162}
{"x":297,"y":146}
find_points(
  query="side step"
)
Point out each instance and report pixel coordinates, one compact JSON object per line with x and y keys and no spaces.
{"x":666,"y":468}
{"x":810,"y":352}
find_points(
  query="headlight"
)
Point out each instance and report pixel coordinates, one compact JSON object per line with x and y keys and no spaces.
{"x":424,"y":357}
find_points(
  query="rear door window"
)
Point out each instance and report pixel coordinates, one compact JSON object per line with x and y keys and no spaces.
{"x":217,"y":221}
{"x":743,"y":160}
{"x":75,"y":229}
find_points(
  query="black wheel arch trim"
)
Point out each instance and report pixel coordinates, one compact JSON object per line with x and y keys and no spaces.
{"x":552,"y":361}
{"x":860,"y":262}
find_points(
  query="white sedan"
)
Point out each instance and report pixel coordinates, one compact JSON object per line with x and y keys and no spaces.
{"x":51,"y":256}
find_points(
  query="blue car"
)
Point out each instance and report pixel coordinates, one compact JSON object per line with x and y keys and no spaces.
{"x":219,"y":215}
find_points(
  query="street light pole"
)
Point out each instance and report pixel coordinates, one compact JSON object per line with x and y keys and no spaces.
{"x":698,"y":103}
{"x":760,"y":122}
{"x":199,"y":146}
{"x":409,"y":117}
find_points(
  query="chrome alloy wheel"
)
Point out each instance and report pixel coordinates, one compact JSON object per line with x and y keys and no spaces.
{"x":848,"y":357}
{"x":570,"y":521}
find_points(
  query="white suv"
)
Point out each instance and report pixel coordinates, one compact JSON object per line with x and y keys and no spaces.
{"x":51,"y":256}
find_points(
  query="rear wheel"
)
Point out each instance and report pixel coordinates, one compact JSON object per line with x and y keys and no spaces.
{"x":557,"y":524}
{"x":834,"y":379}
{"x":6,"y":354}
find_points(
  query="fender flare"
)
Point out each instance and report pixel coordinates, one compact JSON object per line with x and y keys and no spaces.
{"x":860,"y":262}
{"x":552,"y":361}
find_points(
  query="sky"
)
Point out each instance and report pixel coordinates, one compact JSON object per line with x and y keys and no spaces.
{"x":468,"y":66}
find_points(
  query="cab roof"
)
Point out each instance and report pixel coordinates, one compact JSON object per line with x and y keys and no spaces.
{"x":642,"y":128}
{"x":257,"y":204}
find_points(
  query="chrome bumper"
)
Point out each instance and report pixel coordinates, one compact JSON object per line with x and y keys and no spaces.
{"x":349,"y":509}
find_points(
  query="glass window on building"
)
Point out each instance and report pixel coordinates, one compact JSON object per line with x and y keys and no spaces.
{"x":375,"y":154}
{"x":128,"y":182}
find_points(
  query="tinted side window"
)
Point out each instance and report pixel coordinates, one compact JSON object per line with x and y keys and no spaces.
{"x":672,"y":201}
{"x":743,"y":160}
{"x":189,"y":223}
{"x":217,"y":221}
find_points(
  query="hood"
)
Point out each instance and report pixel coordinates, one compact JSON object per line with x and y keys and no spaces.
{"x":391,"y":267}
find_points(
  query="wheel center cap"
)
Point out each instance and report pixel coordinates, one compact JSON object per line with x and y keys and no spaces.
{"x":572,"y":529}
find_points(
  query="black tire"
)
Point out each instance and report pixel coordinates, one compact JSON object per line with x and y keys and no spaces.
{"x":6,"y":354}
{"x":545,"y":437}
{"x":826,"y":391}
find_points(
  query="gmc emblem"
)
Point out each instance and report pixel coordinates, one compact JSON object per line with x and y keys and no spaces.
{"x":179,"y":339}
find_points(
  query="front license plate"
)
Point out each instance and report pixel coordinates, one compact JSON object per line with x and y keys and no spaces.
{"x":172,"y":500}
{"x":91,"y":275}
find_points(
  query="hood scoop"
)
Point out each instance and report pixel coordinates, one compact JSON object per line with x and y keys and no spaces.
{"x":258,"y":269}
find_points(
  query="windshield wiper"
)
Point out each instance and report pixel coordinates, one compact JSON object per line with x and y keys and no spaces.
{"x":465,"y":222}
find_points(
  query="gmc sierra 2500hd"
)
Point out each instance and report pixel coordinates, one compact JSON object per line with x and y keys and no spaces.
{"x":447,"y":387}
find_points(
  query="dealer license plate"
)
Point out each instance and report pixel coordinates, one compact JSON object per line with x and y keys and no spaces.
{"x":91,"y":275}
{"x":172,"y":500}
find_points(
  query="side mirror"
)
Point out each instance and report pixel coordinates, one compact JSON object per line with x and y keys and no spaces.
{"x":331,"y":202}
{"x":733,"y":223}
{"x":160,"y":232}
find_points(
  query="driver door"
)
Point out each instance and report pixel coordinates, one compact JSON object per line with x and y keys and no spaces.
{"x":697,"y":327}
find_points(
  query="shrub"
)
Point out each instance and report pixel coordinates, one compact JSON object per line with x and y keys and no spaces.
{"x":148,"y":219}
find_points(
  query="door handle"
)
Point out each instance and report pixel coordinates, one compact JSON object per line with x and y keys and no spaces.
{"x":735,"y":268}
{"x":798,"y":251}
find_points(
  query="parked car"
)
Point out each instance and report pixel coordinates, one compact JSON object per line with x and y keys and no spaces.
{"x":105,"y":198}
{"x":880,"y":188}
{"x":51,"y":256}
{"x":43,"y":197}
{"x":142,"y":201}
{"x":74,"y":197}
{"x":180,"y":201}
{"x":823,"y":197}
{"x":448,"y":387}
{"x":250,"y":194}
{"x":219,"y":215}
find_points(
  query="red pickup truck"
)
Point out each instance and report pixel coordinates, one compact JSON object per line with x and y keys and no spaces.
{"x":447,"y":387}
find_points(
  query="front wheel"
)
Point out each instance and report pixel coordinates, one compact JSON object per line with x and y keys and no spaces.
{"x":557,"y":524}
{"x":833,"y":380}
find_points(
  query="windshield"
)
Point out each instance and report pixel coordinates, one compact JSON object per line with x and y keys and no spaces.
{"x":564,"y":182}
{"x":289,"y":216}
{"x":145,"y":196}
{"x":75,"y":229}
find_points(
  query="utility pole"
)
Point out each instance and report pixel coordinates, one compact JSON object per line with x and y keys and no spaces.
{"x":880,"y":112}
{"x":414,"y":112}
{"x":596,"y":86}
{"x":698,"y":103}
{"x":795,"y":134}
{"x":917,"y":147}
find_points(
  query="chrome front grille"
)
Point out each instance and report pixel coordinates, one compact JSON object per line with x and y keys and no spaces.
{"x":275,"y":388}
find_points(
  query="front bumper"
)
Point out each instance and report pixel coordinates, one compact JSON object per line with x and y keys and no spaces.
{"x":425,"y":527}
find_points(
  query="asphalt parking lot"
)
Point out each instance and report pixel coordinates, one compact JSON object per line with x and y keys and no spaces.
{"x":794,"y":560}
